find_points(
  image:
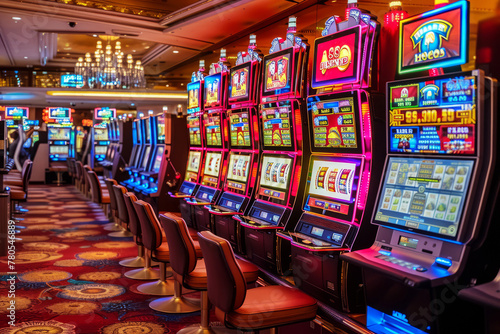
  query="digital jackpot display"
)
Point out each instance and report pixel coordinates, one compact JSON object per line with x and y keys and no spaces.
{"x":435,"y":116}
{"x":275,"y":176}
{"x":424,"y":195}
{"x":193,"y":123}
{"x":237,"y":176}
{"x":437,"y":38}
{"x":213,"y":90}
{"x":336,"y":58}
{"x":332,"y":186}
{"x":276,"y":127}
{"x":16,"y":112}
{"x":277,"y":73}
{"x":239,"y":83}
{"x":194,"y":97}
{"x":334,"y":123}
{"x":104,"y":113}
{"x":213,"y":129}
{"x":239,"y":129}
{"x":59,"y":113}
{"x":213,"y":163}
{"x":193,"y":167}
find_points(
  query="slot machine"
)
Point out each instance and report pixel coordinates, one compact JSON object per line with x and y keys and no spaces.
{"x":145,"y":160}
{"x":137,"y":149}
{"x":283,"y":140}
{"x":342,"y":164}
{"x":239,"y":185}
{"x":432,"y":203}
{"x":196,"y":154}
{"x":100,"y":143}
{"x":216,"y":143}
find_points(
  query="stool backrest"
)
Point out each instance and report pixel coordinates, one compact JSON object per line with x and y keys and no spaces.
{"x":112,"y":198}
{"x":121,"y":208}
{"x":133,"y":221}
{"x":180,"y":244}
{"x":150,"y":226}
{"x":79,"y":171}
{"x":86,"y":170}
{"x":27,"y":174}
{"x":25,"y":167}
{"x":95,"y":187}
{"x":225,"y":281}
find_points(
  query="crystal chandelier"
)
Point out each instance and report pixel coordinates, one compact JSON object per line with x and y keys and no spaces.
{"x":107,"y":69}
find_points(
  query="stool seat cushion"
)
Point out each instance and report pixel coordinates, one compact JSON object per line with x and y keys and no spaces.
{"x":17,"y":194}
{"x":105,"y":198}
{"x":162,"y":253}
{"x":197,"y":279}
{"x":9,"y":182}
{"x":270,"y":306}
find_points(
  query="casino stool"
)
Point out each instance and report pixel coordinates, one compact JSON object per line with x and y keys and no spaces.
{"x":193,"y":233}
{"x":252,"y":309}
{"x":59,"y":170}
{"x":114,"y":226}
{"x":121,"y":211}
{"x":79,"y":175}
{"x":156,"y":245}
{"x":20,"y":193}
{"x":99,"y":195}
{"x":134,"y":227}
{"x":190,"y":272}
{"x":71,"y":169}
{"x":86,"y":185}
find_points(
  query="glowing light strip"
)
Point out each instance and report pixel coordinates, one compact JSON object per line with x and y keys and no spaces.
{"x":136,"y":95}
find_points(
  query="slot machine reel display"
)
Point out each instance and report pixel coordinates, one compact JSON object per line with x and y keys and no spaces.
{"x":216,"y":142}
{"x":343,"y":161}
{"x":433,"y":204}
{"x":239,"y":185}
{"x":283,"y":140}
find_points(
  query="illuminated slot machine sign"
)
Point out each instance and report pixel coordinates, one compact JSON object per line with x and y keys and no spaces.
{"x":433,"y":116}
{"x":277,"y":129}
{"x":213,"y":129}
{"x":437,"y":38}
{"x":193,"y":167}
{"x":194,"y":97}
{"x":59,"y":113}
{"x":104,"y":113}
{"x":194,"y":126}
{"x":332,"y":186}
{"x":16,"y":112}
{"x":213,"y":161}
{"x":238,"y":172}
{"x":213,"y":91}
{"x":240,"y":82}
{"x":277,"y":73}
{"x":239,"y":128}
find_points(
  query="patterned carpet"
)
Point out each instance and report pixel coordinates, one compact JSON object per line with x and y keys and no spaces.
{"x":68,"y":276}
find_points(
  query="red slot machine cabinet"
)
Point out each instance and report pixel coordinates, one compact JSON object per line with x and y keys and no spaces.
{"x":216,"y":142}
{"x":282,"y":139}
{"x":343,"y":162}
{"x":243,"y":160}
{"x":433,"y":204}
{"x":196,"y":154}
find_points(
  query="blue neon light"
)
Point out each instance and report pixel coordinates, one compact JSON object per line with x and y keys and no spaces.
{"x":384,"y":252}
{"x":443,"y":262}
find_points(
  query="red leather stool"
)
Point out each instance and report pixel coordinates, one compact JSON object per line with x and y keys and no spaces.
{"x":99,"y":195}
{"x":191,"y":272}
{"x":121,"y":212}
{"x":135,"y":228}
{"x":114,"y":226}
{"x":252,"y":309}
{"x":80,"y":178}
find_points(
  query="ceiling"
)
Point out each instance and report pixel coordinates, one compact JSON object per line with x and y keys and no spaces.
{"x":169,"y":36}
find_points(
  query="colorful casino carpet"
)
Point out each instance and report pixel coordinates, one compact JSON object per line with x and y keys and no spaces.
{"x":68,"y":277}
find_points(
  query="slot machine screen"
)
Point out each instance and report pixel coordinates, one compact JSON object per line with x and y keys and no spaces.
{"x":194,"y":130}
{"x":148,"y":129}
{"x":59,"y":133}
{"x":158,"y":158}
{"x":238,"y":171}
{"x":332,"y":186}
{"x":213,"y":90}
{"x":424,"y":195}
{"x":240,"y":83}
{"x":145,"y":157}
{"x":193,"y":167}
{"x":275,"y":172}
{"x":213,"y":129}
{"x":334,"y":124}
{"x":138,"y":132}
{"x":435,"y":115}
{"x":61,"y":151}
{"x":277,"y":129}
{"x":239,"y":128}
{"x":212,"y":164}
{"x":160,"y":128}
{"x":194,"y":97}
{"x":277,"y":73}
{"x":337,"y":58}
{"x":100,"y":150}
{"x":100,"y":134}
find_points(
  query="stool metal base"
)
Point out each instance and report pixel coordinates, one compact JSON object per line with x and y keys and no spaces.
{"x":175,"y":305}
{"x":112,"y":227}
{"x":158,"y":288}
{"x":144,"y":274}
{"x":197,"y":329}
{"x":133,"y":262}
{"x":121,"y":234}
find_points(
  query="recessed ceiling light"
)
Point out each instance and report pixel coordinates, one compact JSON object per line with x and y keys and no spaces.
{"x":25,"y":57}
{"x":146,"y":47}
{"x":16,"y":18}
{"x":182,"y":84}
{"x":175,"y":51}
{"x":94,"y":35}
{"x":133,"y":50}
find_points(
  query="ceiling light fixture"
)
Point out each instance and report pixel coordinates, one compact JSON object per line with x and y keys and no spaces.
{"x":175,"y":51}
{"x":16,"y":18}
{"x":106,"y":69}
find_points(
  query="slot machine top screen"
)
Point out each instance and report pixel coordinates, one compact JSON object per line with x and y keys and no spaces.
{"x":160,"y":128}
{"x":194,"y":97}
{"x":337,"y":58}
{"x":332,"y":186}
{"x":424,"y":195}
{"x":240,"y":82}
{"x":239,"y":129}
{"x":148,"y":129}
{"x":437,"y":38}
{"x":158,"y":158}
{"x":213,"y":90}
{"x":194,"y":130}
{"x":436,"y":115}
{"x":59,"y":133}
{"x":334,"y":124}
{"x":277,"y":73}
{"x":213,"y":129}
{"x":277,"y":129}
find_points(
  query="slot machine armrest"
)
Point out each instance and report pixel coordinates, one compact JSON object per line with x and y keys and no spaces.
{"x":213,"y":210}
{"x":399,"y":275}
{"x":195,"y":202}
{"x":178,"y":195}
